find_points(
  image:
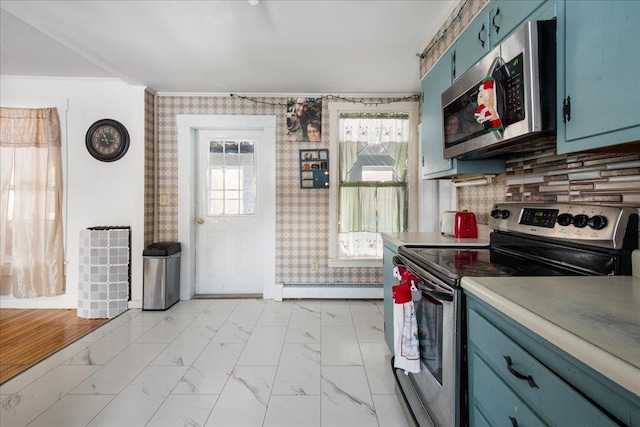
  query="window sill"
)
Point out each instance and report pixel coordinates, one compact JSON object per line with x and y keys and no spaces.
{"x":354,"y":262}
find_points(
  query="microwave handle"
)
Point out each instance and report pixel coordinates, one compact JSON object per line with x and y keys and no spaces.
{"x":496,"y":63}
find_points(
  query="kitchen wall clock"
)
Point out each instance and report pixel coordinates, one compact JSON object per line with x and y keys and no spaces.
{"x":107,"y":140}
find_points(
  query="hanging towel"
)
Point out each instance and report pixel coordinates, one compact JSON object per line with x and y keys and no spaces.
{"x":405,"y":329}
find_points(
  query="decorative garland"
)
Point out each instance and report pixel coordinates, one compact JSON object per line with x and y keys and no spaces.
{"x":415,"y":97}
{"x":444,"y":32}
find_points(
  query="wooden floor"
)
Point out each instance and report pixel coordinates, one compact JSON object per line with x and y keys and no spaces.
{"x":29,"y":336}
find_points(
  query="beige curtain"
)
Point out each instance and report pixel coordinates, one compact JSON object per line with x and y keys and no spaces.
{"x":31,"y":251}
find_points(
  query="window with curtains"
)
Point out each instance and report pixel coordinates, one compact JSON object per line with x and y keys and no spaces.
{"x":31,"y":254}
{"x":372,"y":179}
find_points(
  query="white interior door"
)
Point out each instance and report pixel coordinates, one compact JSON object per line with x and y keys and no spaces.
{"x":235,"y":211}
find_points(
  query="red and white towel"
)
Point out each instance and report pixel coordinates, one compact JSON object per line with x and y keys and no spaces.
{"x":405,"y":325}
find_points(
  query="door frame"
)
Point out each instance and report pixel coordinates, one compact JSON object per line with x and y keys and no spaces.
{"x":188,"y":125}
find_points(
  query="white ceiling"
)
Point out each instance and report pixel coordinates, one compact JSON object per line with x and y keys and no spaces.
{"x":274,"y":47}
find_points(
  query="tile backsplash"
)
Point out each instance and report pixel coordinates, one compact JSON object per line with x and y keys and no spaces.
{"x":609,"y":179}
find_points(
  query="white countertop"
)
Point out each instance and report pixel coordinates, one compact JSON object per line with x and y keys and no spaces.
{"x":431,"y":239}
{"x":595,"y":319}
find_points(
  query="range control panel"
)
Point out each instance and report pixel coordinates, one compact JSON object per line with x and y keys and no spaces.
{"x":589,"y":224}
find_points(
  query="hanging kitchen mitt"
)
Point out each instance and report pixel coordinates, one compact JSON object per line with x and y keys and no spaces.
{"x":486,"y":113}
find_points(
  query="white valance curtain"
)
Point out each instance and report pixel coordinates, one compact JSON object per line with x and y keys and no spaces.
{"x":367,"y":208}
{"x":31,"y":251}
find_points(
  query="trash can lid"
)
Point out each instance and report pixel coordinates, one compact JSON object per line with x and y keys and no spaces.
{"x":162,"y":249}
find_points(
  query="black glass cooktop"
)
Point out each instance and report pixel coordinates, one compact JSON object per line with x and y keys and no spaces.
{"x":457,"y":263}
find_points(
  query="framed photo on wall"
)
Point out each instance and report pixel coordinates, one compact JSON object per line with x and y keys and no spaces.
{"x":304,"y":120}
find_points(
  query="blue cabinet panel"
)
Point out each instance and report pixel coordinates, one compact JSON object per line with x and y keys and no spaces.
{"x":389,"y":251}
{"x":599,"y":70}
{"x":472,"y":45}
{"x":498,"y":402}
{"x":506,"y":16}
{"x":542,"y":390}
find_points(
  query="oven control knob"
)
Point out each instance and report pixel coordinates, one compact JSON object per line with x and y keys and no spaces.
{"x":580,"y":221}
{"x":564,"y":219}
{"x":500,"y":214}
{"x":598,"y":222}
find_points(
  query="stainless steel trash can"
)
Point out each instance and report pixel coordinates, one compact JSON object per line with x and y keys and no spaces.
{"x":161,"y":275}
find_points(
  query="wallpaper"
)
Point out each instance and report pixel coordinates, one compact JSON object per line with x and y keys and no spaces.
{"x":302,"y":215}
{"x":149,"y":169}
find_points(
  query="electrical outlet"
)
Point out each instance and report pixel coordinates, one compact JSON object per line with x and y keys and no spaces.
{"x":314,"y":265}
{"x":165,"y":200}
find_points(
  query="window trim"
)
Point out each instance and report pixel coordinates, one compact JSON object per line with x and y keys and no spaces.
{"x":335,"y":108}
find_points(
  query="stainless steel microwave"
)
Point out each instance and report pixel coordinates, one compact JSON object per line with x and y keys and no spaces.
{"x":516,"y":113}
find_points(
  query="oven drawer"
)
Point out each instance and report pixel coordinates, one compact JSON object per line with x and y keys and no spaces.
{"x":540,"y":388}
{"x":495,"y":402}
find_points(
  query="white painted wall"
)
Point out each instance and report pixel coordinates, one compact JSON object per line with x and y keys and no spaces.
{"x":96,"y":193}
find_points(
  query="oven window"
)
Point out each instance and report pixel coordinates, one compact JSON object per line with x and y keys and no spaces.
{"x":429,"y":318}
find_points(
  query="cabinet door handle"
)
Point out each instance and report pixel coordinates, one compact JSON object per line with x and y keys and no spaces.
{"x":517,"y":374}
{"x":480,"y":34}
{"x":566,"y":110}
{"x":493,"y":21}
{"x":514,"y":422}
{"x":453,"y":65}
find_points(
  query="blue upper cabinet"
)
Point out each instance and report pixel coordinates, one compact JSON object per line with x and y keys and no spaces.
{"x":473,"y":44}
{"x":598,"y":74}
{"x":497,"y":20}
{"x":505,"y":16}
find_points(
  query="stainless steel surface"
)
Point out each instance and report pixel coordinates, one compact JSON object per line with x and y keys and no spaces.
{"x":440,"y":397}
{"x":611,"y":236}
{"x":161,"y":282}
{"x":524,"y":40}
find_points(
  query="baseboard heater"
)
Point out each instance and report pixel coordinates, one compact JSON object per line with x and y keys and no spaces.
{"x":332,"y":290}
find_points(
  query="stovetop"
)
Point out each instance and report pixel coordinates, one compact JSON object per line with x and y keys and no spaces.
{"x":456,"y":262}
{"x":540,"y":240}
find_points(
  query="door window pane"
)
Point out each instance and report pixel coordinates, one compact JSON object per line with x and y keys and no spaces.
{"x":231,"y":178}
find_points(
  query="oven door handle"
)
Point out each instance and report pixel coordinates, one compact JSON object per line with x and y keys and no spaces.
{"x":440,"y":296}
{"x":425,"y":276}
{"x":428,"y":283}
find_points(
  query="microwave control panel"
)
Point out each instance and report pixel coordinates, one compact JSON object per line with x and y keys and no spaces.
{"x":512,"y":78}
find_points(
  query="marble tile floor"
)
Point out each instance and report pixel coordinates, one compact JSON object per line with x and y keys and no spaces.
{"x":241,"y":362}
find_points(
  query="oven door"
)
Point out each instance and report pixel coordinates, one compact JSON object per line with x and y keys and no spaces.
{"x":437,"y":387}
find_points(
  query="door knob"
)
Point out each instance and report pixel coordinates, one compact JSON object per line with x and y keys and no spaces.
{"x":200,"y":221}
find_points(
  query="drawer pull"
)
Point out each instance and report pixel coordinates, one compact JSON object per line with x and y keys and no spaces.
{"x":514,"y":422}
{"x":517,"y":374}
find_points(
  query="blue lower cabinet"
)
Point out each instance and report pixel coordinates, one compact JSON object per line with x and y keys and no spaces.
{"x":498,"y":402}
{"x":389,"y":251}
{"x":517,"y":378}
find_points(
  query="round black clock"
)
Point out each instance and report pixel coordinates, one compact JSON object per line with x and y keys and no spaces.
{"x":107,"y":140}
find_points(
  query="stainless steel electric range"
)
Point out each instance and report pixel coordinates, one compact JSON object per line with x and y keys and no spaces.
{"x":527,"y":240}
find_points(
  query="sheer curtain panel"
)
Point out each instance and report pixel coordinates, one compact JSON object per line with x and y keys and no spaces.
{"x":31,"y":251}
{"x":372,"y":181}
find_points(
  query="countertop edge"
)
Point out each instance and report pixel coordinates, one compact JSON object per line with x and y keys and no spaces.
{"x":617,"y":370}
{"x":433,"y":239}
